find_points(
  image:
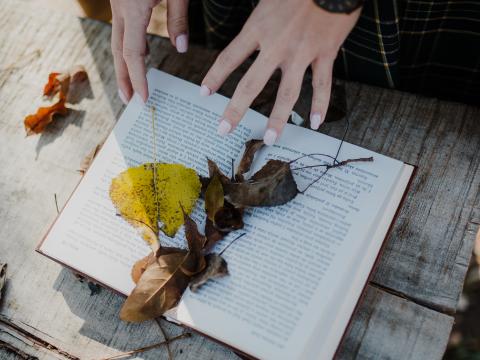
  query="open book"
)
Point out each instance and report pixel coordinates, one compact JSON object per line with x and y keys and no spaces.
{"x":298,"y":273}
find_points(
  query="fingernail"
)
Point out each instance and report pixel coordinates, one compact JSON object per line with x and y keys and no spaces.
{"x":270,"y":137}
{"x":181,"y":43}
{"x":224,"y":127}
{"x":315,"y":121}
{"x":122,"y":97}
{"x":204,"y":90}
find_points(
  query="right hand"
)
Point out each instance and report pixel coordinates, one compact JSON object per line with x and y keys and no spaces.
{"x":129,"y":43}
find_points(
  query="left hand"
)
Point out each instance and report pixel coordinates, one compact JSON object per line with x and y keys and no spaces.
{"x":290,"y":35}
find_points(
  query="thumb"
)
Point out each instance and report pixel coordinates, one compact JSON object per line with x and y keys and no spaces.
{"x":177,"y":24}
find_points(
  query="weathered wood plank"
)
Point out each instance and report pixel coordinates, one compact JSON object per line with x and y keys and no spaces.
{"x":389,"y":327}
{"x":49,"y":303}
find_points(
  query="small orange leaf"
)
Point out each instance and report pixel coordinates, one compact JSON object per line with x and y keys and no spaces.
{"x":36,"y":123}
{"x":60,"y":82}
{"x":50,"y":87}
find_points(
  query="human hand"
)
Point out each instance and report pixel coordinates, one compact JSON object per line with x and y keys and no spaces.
{"x":290,"y":35}
{"x":129,"y":43}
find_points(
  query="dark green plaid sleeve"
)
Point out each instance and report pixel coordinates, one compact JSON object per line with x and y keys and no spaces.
{"x":428,"y":47}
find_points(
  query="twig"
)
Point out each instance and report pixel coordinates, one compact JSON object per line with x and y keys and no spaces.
{"x":154,"y":161}
{"x":335,"y":161}
{"x":146,"y":348}
{"x":337,"y":164}
{"x":164,"y":334}
{"x":226,"y":247}
{"x":345,"y":162}
{"x":312,"y":156}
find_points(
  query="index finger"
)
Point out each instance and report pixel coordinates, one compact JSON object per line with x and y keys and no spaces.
{"x":134,"y":50}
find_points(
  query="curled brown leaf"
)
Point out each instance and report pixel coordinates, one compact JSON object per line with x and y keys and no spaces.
{"x":216,"y":267}
{"x":159,"y":288}
{"x":213,"y":235}
{"x":228,"y":218}
{"x":272,"y":185}
{"x":213,"y":170}
{"x":251,"y":148}
{"x":141,"y":265}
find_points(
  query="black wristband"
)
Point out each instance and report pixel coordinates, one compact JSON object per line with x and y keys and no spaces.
{"x":339,"y":6}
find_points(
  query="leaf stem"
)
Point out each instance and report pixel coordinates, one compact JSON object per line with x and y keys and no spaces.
{"x":226,"y":247}
{"x":155,"y":162}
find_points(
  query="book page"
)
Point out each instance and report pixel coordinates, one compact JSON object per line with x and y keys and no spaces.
{"x":294,"y":262}
{"x":88,"y":235}
{"x":290,"y":271}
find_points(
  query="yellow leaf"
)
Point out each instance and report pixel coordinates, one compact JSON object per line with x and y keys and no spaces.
{"x":143,"y":203}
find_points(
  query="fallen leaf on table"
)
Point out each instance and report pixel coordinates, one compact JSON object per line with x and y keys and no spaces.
{"x":251,"y":148}
{"x":60,"y":82}
{"x":87,"y":160}
{"x":143,"y":202}
{"x":36,"y":123}
{"x":216,"y":267}
{"x":53,"y":85}
{"x":3,"y":278}
{"x":272,"y":185}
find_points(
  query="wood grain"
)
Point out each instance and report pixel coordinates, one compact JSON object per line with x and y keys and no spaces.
{"x":415,"y":287}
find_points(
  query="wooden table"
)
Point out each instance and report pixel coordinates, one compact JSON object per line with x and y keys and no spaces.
{"x":47,"y":313}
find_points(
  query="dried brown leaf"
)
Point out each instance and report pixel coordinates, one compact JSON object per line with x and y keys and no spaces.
{"x":272,"y":185}
{"x":251,"y":148}
{"x":213,"y":235}
{"x":196,"y":243}
{"x":214,"y":197}
{"x":216,"y":267}
{"x":159,"y":288}
{"x":141,"y":265}
{"x":213,"y":170}
{"x":228,"y":218}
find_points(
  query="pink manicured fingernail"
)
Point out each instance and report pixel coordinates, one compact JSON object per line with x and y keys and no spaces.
{"x":204,"y":90}
{"x":122,"y":97}
{"x":270,"y":137}
{"x":315,"y":121}
{"x":181,"y":43}
{"x":224,"y":127}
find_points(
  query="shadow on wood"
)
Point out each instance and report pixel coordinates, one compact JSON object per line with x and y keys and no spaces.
{"x":56,"y":128}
